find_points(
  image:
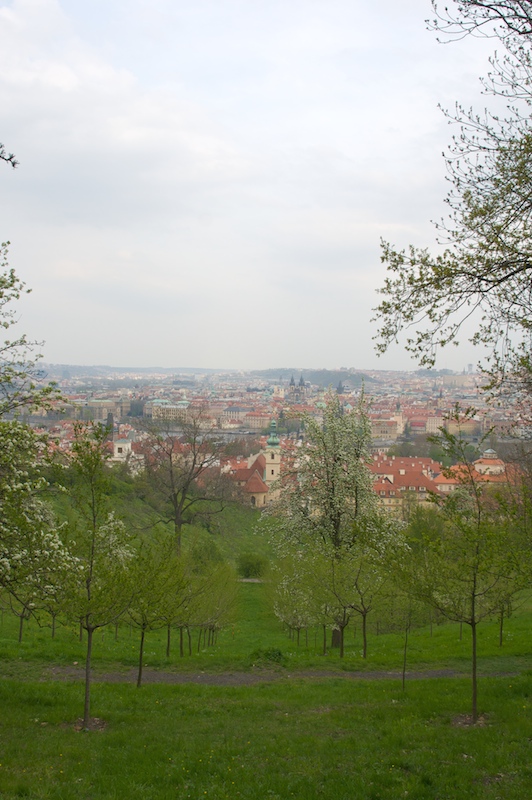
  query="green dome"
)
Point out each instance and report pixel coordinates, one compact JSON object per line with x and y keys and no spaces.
{"x":273,"y":439}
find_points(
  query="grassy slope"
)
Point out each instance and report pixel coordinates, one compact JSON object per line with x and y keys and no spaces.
{"x":302,"y":737}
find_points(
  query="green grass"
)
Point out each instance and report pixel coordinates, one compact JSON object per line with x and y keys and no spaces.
{"x":304,"y":738}
{"x":255,"y":628}
{"x":307,"y":730}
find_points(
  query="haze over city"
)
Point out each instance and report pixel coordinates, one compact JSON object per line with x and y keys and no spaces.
{"x":205,"y":184}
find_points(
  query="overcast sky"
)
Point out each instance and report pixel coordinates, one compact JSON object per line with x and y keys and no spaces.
{"x":205,"y":182}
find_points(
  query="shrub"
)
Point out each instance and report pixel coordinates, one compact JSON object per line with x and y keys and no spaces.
{"x":251,"y":565}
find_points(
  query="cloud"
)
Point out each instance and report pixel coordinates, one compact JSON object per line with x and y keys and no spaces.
{"x":191,"y":172}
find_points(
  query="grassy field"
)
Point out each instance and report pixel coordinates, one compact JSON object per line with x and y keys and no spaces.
{"x":303,"y":738}
{"x":306,"y":729}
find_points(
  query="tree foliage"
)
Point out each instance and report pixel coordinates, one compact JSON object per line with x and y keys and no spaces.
{"x":32,"y":555}
{"x":21,"y":381}
{"x":325,"y":485}
{"x":101,"y":588}
{"x":484,"y":270}
{"x":469,"y":562}
{"x":327,"y":524}
{"x":9,"y":158}
{"x":162,"y":587}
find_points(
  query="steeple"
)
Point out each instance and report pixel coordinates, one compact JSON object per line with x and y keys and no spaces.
{"x":273,"y":439}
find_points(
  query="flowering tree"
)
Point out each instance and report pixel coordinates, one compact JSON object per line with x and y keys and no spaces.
{"x":21,"y":381}
{"x":32,"y":555}
{"x":326,"y":486}
{"x":327,"y":514}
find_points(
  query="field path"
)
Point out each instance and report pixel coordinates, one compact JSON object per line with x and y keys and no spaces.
{"x":150,"y":676}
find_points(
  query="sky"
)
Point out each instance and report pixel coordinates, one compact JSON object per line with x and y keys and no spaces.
{"x":205,"y":183}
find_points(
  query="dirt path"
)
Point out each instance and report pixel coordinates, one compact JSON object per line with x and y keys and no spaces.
{"x":237,"y":678}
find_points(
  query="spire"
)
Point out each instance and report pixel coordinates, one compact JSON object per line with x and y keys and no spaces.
{"x":273,"y":439}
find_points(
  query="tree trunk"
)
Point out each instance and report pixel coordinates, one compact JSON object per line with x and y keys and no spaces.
{"x":335,"y":637}
{"x":474,"y":711}
{"x":168,"y":638}
{"x":181,"y":649}
{"x":87,"y":705}
{"x":189,"y":641}
{"x":177,"y":532}
{"x":342,"y":629}
{"x":53,"y":626}
{"x":20,"y":626}
{"x":141,"y":656}
{"x":407,"y":626}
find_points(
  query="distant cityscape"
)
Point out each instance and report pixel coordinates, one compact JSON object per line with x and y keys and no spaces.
{"x":260,"y":415}
{"x":400,"y":404}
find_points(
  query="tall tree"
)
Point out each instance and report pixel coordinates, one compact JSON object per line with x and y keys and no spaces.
{"x":32,"y":555}
{"x":325,"y":485}
{"x":21,"y":381}
{"x":102,"y":587}
{"x":327,"y":513}
{"x":469,"y":565}
{"x":182,"y":479}
{"x":484,"y":270}
{"x":31,"y":551}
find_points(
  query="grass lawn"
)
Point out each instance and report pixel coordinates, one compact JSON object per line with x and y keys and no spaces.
{"x":307,"y":730}
{"x":333,"y":738}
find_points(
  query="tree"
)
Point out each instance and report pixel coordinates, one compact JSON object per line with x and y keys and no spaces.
{"x":485,"y":270}
{"x":294,"y":600}
{"x":471,"y":565}
{"x":32,"y":555}
{"x":161,"y":588}
{"x":212,"y":605}
{"x":182,"y":479}
{"x":325,"y":485}
{"x":31,"y":552}
{"x":327,"y":513}
{"x":101,"y":588}
{"x":506,"y":19}
{"x":21,"y":382}
{"x":9,"y":158}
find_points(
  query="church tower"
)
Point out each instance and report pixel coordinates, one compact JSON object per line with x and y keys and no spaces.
{"x":272,"y":454}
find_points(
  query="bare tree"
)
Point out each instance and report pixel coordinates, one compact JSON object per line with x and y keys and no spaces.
{"x":182,"y":479}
